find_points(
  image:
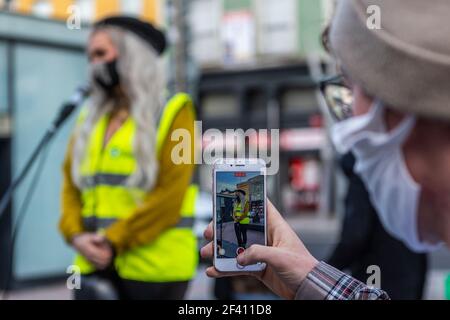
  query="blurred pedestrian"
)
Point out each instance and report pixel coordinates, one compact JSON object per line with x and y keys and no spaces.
{"x":364,"y":242}
{"x":127,"y":209}
{"x":241,"y":217}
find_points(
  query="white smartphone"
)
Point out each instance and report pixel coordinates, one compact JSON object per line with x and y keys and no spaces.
{"x":239,"y":206}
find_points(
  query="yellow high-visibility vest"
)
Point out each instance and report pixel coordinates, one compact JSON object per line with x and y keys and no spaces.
{"x":239,"y":211}
{"x":173,"y":255}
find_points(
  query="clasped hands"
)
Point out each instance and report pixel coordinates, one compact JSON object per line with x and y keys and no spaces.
{"x":95,"y":248}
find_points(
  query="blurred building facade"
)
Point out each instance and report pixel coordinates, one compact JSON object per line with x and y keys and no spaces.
{"x":90,"y":10}
{"x":256,"y":32}
{"x":41,"y":63}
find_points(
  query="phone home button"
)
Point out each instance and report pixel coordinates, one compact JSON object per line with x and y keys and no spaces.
{"x":239,"y":266}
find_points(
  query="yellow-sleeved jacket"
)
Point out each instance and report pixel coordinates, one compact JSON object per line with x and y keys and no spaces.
{"x":240,"y":213}
{"x":148,"y":230}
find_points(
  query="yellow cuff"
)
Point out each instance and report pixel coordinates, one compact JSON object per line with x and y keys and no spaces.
{"x":118,"y":236}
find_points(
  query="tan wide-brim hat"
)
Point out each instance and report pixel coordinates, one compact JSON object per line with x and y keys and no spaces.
{"x":405,"y":63}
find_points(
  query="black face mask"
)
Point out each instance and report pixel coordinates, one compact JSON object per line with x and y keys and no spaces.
{"x":106,"y":75}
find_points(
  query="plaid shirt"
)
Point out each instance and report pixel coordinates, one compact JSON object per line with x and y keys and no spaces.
{"x":327,"y":283}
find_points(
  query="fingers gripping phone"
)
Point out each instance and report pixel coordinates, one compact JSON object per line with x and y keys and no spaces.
{"x":239,"y":199}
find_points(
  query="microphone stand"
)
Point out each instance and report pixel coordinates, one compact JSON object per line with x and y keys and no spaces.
{"x":65,"y":112}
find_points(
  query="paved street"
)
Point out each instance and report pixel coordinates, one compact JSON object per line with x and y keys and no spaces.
{"x":201,"y":288}
{"x":318,"y":239}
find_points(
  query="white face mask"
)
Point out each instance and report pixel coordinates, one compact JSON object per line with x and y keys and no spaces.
{"x":381,"y":165}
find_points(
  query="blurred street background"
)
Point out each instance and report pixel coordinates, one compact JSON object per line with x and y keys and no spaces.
{"x":247,"y":63}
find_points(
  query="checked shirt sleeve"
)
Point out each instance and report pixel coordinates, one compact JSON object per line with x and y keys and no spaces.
{"x":327,"y":283}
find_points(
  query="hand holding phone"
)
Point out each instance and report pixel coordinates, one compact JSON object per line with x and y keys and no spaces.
{"x":287,"y":260}
{"x":239,"y":211}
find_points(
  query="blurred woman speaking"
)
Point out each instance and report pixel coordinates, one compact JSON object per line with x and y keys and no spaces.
{"x":127,"y":209}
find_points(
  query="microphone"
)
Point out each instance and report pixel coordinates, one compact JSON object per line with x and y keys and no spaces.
{"x":69,"y":107}
{"x":66,"y":110}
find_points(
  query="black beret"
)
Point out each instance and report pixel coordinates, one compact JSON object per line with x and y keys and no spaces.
{"x":144,"y":30}
{"x":241,"y":191}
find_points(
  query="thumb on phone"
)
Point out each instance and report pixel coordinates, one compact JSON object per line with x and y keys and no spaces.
{"x":258,"y":253}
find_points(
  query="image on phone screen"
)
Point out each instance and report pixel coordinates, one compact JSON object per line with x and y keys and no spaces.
{"x":239,"y":212}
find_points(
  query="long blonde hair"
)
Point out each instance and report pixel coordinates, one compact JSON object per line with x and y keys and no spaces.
{"x":142,"y":80}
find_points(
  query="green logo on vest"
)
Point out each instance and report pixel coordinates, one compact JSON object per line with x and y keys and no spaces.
{"x":115,"y":152}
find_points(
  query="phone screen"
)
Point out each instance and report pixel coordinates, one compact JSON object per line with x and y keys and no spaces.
{"x":240,"y":212}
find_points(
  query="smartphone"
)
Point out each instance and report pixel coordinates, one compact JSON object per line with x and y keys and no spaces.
{"x":239,"y":206}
